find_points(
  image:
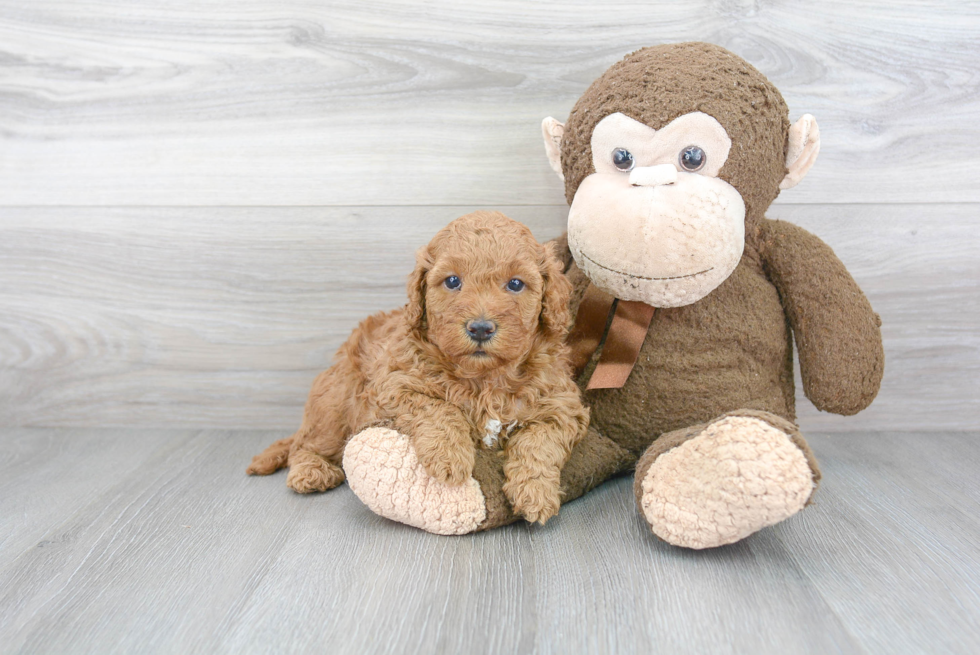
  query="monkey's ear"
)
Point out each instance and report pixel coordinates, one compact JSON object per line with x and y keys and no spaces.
{"x":804,"y":144}
{"x":415,"y":309}
{"x":553,"y":131}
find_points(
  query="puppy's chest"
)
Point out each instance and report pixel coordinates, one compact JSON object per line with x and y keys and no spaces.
{"x":493,"y":426}
{"x":495,"y":432}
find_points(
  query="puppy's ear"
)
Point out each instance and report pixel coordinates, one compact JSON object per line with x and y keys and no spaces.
{"x":415,"y":310}
{"x":555,"y":315}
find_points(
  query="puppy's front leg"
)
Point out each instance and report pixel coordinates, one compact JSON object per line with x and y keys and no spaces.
{"x":535,"y":457}
{"x":440,"y":435}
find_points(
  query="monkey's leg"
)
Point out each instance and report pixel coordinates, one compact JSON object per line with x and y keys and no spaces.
{"x":716,"y":483}
{"x":384,"y":473}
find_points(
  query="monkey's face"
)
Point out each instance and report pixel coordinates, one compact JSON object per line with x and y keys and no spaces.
{"x":668,"y":157}
{"x":654,"y":222}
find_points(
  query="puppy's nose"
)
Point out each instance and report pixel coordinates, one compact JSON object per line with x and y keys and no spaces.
{"x":481,"y":329}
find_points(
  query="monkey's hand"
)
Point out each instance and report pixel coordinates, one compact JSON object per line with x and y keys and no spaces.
{"x":837,"y":333}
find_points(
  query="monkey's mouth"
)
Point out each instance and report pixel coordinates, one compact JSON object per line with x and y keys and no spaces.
{"x":642,"y":277}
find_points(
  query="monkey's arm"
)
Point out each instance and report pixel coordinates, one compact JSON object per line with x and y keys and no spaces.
{"x":837,"y":333}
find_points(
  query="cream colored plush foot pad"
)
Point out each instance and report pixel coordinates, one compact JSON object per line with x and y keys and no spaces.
{"x":385,"y":474}
{"x":738,"y":476}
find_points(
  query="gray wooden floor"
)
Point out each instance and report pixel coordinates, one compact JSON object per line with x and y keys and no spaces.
{"x":155,"y":541}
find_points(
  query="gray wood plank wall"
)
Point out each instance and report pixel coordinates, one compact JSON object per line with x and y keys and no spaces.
{"x":197,"y":203}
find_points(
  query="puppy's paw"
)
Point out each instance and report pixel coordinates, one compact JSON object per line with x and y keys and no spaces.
{"x":536,"y":499}
{"x":448,"y":465}
{"x":309,"y":473}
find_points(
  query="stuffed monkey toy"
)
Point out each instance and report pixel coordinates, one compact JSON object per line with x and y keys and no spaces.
{"x":687,"y":302}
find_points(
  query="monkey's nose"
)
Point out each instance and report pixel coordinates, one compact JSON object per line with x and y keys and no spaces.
{"x":653,"y":175}
{"x":481,"y":330}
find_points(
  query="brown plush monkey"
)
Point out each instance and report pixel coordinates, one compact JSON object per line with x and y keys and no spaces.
{"x":687,"y":300}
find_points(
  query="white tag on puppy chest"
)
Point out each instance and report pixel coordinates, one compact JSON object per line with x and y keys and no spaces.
{"x":493,"y":429}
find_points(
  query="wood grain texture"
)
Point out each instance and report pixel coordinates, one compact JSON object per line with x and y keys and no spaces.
{"x":388,"y":103}
{"x":43,"y":484}
{"x":909,"y":504}
{"x":183,"y":553}
{"x":222,"y":317}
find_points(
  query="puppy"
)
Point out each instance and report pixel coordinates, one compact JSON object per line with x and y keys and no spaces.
{"x":475,"y":359}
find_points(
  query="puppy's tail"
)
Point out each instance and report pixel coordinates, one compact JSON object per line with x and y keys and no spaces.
{"x":271,"y":459}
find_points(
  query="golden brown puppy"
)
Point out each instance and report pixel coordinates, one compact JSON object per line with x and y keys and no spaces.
{"x":476,"y":359}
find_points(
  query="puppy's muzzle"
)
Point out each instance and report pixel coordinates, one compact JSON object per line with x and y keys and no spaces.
{"x":481,"y":330}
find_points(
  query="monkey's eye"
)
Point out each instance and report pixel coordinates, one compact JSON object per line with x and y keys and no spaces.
{"x":515,"y":285}
{"x":692,"y":158}
{"x":622,"y":159}
{"x":453,"y":282}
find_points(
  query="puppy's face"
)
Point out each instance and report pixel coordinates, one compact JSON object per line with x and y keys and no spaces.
{"x":481,"y":313}
{"x":487,"y":288}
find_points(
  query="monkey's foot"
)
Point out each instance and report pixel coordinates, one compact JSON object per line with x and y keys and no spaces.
{"x":725,"y":480}
{"x":384,"y":472}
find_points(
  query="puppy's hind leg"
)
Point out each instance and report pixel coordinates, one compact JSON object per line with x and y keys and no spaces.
{"x":316,"y":451}
{"x":310,"y":472}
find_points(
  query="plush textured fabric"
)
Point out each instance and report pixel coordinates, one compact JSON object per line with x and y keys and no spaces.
{"x":837,"y":333}
{"x":712,"y":390}
{"x":673,"y":439}
{"x":731,"y":353}
{"x":731,"y":350}
{"x":675,"y":260}
{"x":593,"y":460}
{"x":384,"y":472}
{"x":656,"y":85}
{"x":801,"y":150}
{"x":650,"y":147}
{"x":735,"y":476}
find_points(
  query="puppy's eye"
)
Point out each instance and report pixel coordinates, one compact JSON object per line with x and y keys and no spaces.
{"x":453,"y":282}
{"x":692,"y":158}
{"x":515,"y":285}
{"x":622,"y":159}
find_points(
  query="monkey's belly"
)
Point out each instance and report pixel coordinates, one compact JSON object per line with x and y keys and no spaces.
{"x":729,"y":351}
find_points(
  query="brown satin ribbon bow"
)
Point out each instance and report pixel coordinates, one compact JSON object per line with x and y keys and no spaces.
{"x":627,"y":330}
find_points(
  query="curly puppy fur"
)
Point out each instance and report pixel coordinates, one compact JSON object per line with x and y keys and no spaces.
{"x":420,"y":371}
